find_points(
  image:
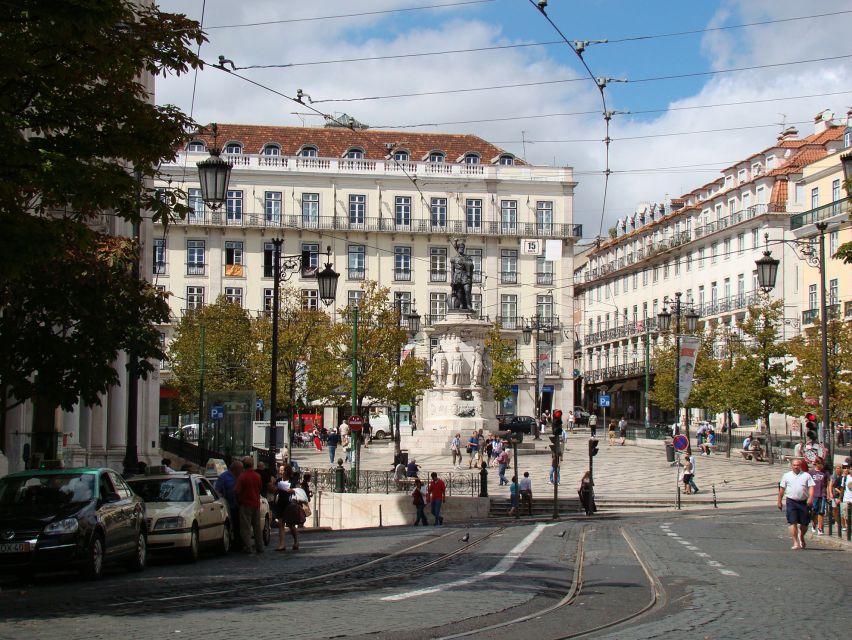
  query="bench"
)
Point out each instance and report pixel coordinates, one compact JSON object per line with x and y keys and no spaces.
{"x":756,"y":455}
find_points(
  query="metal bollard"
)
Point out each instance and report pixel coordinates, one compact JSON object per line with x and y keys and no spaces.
{"x":339,"y":477}
{"x":715,"y":506}
{"x":380,"y":516}
{"x":678,"y":496}
{"x":848,"y":521}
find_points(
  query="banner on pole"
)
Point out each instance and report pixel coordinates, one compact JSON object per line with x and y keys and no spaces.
{"x":688,"y":353}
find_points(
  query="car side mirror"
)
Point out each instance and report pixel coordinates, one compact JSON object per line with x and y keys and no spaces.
{"x":206,"y":499}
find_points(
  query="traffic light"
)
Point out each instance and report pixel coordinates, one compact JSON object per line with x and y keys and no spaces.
{"x":810,"y":426}
{"x":593,"y":447}
{"x":556,"y":443}
{"x":557,"y":422}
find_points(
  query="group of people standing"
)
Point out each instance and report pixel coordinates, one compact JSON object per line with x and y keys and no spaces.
{"x":434,"y":494}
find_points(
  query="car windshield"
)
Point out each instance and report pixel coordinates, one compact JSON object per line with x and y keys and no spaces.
{"x":163,"y":489}
{"x":58,"y":489}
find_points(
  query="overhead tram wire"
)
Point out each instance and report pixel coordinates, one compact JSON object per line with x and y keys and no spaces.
{"x":601,"y":84}
{"x":360,"y":14}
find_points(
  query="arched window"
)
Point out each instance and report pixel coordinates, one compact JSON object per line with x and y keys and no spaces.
{"x":401,"y":155}
{"x":471,"y":158}
{"x":507,"y":159}
{"x":308,"y":151}
{"x":233,"y":147}
{"x":436,"y":156}
{"x":271,"y":150}
{"x":196,"y":145}
{"x":355,"y":154}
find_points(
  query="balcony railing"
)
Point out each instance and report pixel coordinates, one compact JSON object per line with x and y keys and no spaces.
{"x":356,"y":273}
{"x":195,"y":269}
{"x":836,"y":208}
{"x":437,"y":275}
{"x":402,"y":275}
{"x":811,"y":316}
{"x":544,"y":278}
{"x":616,"y":371}
{"x":508,"y":277}
{"x":415,"y":225}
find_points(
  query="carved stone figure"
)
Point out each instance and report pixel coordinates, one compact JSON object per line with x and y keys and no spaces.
{"x":439,"y":368}
{"x":456,"y":367}
{"x":461,"y":278}
{"x":476,"y":367}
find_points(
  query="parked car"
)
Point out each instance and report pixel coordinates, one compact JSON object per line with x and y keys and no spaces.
{"x":581,"y":416}
{"x":188,"y":432}
{"x":80,"y":518}
{"x":184,"y":513}
{"x":518,"y":424}
{"x":381,"y":427}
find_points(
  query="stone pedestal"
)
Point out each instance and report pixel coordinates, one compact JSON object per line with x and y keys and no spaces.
{"x":461,"y":398}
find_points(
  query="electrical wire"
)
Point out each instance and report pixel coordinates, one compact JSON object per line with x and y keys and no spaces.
{"x":350,"y":15}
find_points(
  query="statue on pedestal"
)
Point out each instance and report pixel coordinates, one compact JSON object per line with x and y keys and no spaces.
{"x":461,"y":278}
{"x":439,"y":368}
{"x":456,"y":367}
{"x":477,"y":367}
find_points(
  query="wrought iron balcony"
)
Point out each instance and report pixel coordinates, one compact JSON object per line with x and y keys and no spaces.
{"x":819,"y":214}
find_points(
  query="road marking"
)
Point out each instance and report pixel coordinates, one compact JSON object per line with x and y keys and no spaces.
{"x":506,"y":563}
{"x":701,"y":554}
{"x":691,"y":548}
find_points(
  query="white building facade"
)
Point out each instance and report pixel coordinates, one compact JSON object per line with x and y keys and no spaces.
{"x":702,"y":245}
{"x":389,"y":205}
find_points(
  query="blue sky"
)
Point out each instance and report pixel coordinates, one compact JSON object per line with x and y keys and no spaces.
{"x":652,"y":160}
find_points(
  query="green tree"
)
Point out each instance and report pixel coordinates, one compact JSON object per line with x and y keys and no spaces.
{"x":806,"y":379}
{"x":80,"y":136}
{"x":760,"y":375}
{"x":308,"y":367}
{"x":506,"y":366}
{"x":228,"y":349}
{"x":662,"y":392}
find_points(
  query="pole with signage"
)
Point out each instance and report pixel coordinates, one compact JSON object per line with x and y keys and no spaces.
{"x":356,"y":438}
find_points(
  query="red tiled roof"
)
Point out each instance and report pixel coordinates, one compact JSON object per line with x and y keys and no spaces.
{"x":779,"y":192}
{"x":334,"y":142}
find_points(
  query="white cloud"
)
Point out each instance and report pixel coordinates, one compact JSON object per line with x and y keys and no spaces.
{"x":227,"y":99}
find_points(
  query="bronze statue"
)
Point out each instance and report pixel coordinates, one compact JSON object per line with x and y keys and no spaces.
{"x":461,"y":278}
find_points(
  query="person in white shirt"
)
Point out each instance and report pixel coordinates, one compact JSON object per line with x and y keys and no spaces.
{"x":455,"y":449}
{"x":798,"y":487}
{"x":525,"y":486}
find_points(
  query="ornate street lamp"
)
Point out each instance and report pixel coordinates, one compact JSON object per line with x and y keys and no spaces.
{"x":767,"y":271}
{"x":327,"y":281}
{"x":527,"y":331}
{"x":213,"y":175}
{"x":691,"y":317}
{"x":664,"y":319}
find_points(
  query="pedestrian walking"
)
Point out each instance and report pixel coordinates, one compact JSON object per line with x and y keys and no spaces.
{"x":332,"y":441}
{"x":317,"y":441}
{"x":611,"y":432}
{"x":502,"y":461}
{"x":622,"y":430}
{"x":514,"y":492}
{"x":437,"y":497}
{"x":247,"y":491}
{"x":571,"y":421}
{"x":225,"y":486}
{"x":691,"y":459}
{"x":455,"y":449}
{"x":288,"y":513}
{"x":686,"y":475}
{"x":554,"y":469}
{"x":526,"y":491}
{"x":836,"y":492}
{"x":822,"y":480}
{"x":587,"y":494}
{"x":798,"y":487}
{"x":418,"y":498}
{"x":472,"y":449}
{"x":593,"y":424}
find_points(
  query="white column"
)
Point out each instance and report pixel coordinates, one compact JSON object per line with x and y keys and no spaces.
{"x":71,"y":426}
{"x":85,"y":437}
{"x":117,"y":407}
{"x":98,"y":428}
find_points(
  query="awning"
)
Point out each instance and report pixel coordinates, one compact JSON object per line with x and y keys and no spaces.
{"x":631,"y":385}
{"x":616,"y":387}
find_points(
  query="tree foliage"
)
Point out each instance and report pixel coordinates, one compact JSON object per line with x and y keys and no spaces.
{"x":507,"y":367}
{"x":80,"y":138}
{"x":663,"y":359}
{"x":805,"y":382}
{"x":228,"y":349}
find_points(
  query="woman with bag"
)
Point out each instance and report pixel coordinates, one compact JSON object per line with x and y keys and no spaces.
{"x":418,"y":498}
{"x":288,"y":509}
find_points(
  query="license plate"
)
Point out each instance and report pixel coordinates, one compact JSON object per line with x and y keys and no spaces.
{"x":15,"y":547}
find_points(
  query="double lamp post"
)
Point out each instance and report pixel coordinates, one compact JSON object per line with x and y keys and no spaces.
{"x":664,"y":322}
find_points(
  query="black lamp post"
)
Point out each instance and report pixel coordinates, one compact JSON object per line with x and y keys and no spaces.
{"x":412,"y":325}
{"x":327,"y":285}
{"x":213,"y":175}
{"x":547,"y":329}
{"x":664,"y":322}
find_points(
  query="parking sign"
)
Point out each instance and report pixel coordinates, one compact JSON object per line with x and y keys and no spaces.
{"x":604,"y":400}
{"x":217,"y":412}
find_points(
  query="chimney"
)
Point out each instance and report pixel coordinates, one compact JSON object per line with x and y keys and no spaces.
{"x":676,"y":204}
{"x":823,"y":120}
{"x":790,"y":133}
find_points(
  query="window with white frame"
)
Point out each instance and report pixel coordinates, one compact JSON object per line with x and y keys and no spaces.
{"x":268,"y":299}
{"x":357,"y":263}
{"x":310,"y":299}
{"x":508,"y":216}
{"x":471,"y":158}
{"x":194,"y":297}
{"x":402,"y":263}
{"x":740,"y":289}
{"x":626,"y":284}
{"x":544,"y":216}
{"x":438,"y":264}
{"x":509,"y":266}
{"x":812,"y":296}
{"x":714,"y":252}
{"x":755,"y":238}
{"x":644,"y":277}
{"x":309,"y":151}
{"x":741,"y":176}
{"x":835,"y":190}
{"x":677,"y":266}
{"x":814,"y":197}
{"x":310,"y":209}
{"x":272,"y":206}
{"x":754,"y":281}
{"x":666,"y":270}
{"x":234,"y":206}
{"x":436,"y":156}
{"x":701,"y":296}
{"x":475,"y":256}
{"x":635,"y":280}
{"x":615,"y":282}
{"x":234,"y":258}
{"x":746,"y":200}
{"x":544,"y":307}
{"x":833,"y":239}
{"x":310,"y":269}
{"x":354,"y":297}
{"x":476,"y":301}
{"x":509,"y":160}
{"x":357,"y":208}
{"x":354,"y":154}
{"x":268,"y":259}
{"x":196,"y":146}
{"x":438,"y":207}
{"x":159,"y":256}
{"x":701,"y":258}
{"x":402,"y":211}
{"x":656,"y":273}
{"x":196,"y":205}
{"x":233,"y":148}
{"x":401,"y":155}
{"x":714,"y":293}
{"x":402,"y":301}
{"x":509,"y":310}
{"x":473,"y":212}
{"x":770,"y":162}
{"x":437,"y":305}
{"x":272,"y":150}
{"x":833,"y":291}
{"x":761,"y":196}
{"x":741,"y":243}
{"x":195,"y":257}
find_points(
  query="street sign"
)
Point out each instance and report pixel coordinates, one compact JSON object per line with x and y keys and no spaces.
{"x":217,"y":412}
{"x":604,"y":400}
{"x":681,"y":443}
{"x":258,"y":404}
{"x":356,"y":423}
{"x":811,"y":455}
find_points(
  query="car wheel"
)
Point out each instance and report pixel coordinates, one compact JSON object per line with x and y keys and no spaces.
{"x":192,"y":549}
{"x":267,"y":531}
{"x":225,"y":542}
{"x":94,"y":567}
{"x":140,"y":554}
{"x":379,"y":435}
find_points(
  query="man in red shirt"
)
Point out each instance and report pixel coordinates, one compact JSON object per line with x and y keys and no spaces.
{"x":248,"y":499}
{"x":437,"y":496}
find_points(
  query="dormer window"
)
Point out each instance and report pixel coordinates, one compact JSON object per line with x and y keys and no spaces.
{"x":354,"y":154}
{"x":233,"y":148}
{"x":770,"y":162}
{"x":309,"y":151}
{"x":196,"y":146}
{"x":271,"y":150}
{"x":471,"y":158}
{"x":437,"y":156}
{"x":507,"y":159}
{"x":401,"y":155}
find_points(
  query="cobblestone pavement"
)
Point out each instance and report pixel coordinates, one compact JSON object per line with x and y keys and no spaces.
{"x":724,"y":574}
{"x":628,"y":473}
